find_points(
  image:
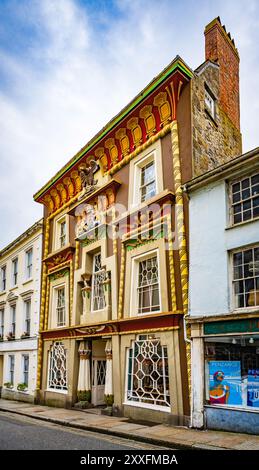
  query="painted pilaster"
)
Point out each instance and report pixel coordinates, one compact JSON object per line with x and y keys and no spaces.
{"x":108,"y":389}
{"x":84,"y":376}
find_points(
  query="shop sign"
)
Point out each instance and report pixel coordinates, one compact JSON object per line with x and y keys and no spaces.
{"x":232,"y":326}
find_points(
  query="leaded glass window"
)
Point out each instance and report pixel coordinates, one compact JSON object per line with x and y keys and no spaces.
{"x":148,"y":286}
{"x":99,"y":276}
{"x":58,"y":367}
{"x":148,"y":377}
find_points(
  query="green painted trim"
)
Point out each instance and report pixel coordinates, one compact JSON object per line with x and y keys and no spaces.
{"x":232,"y":326}
{"x":59,"y":274}
{"x":154,"y":84}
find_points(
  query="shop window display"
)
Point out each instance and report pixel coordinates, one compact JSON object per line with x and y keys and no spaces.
{"x":232,"y":371}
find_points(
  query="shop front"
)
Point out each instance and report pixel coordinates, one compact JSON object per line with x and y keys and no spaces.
{"x":226,"y":393}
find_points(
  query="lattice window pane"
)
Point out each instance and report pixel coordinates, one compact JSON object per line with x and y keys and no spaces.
{"x":58,"y":367}
{"x":148,"y":286}
{"x":148,"y":377}
{"x":99,"y":276}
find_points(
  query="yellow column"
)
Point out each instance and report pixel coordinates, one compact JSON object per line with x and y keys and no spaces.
{"x":181,"y":235}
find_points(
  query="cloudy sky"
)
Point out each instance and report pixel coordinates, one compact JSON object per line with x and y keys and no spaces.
{"x":67,"y":66}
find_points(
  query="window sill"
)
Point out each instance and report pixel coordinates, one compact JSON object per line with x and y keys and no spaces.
{"x":27,"y":281}
{"x":14,"y":288}
{"x":148,"y":406}
{"x":3,"y":292}
{"x":52,"y":390}
{"x":240,"y":224}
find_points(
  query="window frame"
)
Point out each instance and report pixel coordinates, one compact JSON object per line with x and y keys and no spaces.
{"x":140,"y":404}
{"x":26,"y":319}
{"x":15,"y":272}
{"x":211,"y":110}
{"x":3,"y":278}
{"x":13,"y":319}
{"x":239,"y":180}
{"x":134,"y":303}
{"x":28,"y":267}
{"x":57,"y":289}
{"x":49,"y":387}
{"x":138,"y":168}
{"x":233,"y":281}
{"x":23,"y":369}
{"x":11,"y":368}
{"x":94,"y":275}
{"x":2,"y":317}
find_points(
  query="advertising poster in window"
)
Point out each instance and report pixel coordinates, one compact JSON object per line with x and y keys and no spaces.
{"x":253,"y":388}
{"x":225,"y":383}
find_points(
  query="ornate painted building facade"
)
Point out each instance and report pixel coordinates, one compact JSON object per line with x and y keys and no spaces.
{"x":115,"y":260}
{"x":20,"y":286}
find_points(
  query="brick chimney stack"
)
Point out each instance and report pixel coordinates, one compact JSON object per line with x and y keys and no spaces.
{"x":220,"y":48}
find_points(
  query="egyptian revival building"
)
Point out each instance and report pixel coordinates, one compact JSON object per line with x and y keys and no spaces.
{"x":115,"y":262}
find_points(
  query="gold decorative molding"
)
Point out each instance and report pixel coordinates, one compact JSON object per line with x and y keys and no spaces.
{"x":163,"y":106}
{"x":101,"y":155}
{"x":149,"y":119}
{"x":136,"y":131}
{"x":121,"y":136}
{"x":113,"y":151}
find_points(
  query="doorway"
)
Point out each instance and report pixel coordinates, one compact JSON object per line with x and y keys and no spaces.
{"x":98,"y":381}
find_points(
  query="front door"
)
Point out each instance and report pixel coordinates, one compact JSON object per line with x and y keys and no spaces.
{"x":98,"y":381}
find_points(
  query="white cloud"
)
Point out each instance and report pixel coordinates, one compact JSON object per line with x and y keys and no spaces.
{"x":81,"y":68}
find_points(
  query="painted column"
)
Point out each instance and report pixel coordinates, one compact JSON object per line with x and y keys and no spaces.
{"x":181,"y":238}
{"x":197,"y":415}
{"x":84,"y":376}
{"x":108,"y":389}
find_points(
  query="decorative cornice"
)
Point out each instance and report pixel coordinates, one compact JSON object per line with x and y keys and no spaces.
{"x":112,"y":143}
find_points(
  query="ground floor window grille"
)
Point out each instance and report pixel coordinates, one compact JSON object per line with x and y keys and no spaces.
{"x":58,"y":367}
{"x":148,"y":377}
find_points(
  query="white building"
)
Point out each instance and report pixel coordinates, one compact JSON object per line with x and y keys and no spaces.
{"x":224,"y":295}
{"x":20,"y":282}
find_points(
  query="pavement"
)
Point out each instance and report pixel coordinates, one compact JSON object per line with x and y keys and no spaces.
{"x":160,"y":435}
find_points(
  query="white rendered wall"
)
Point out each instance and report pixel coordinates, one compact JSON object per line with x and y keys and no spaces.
{"x":210,"y":239}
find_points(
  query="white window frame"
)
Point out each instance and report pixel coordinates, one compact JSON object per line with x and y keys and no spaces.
{"x":242,"y":200}
{"x":210,"y":102}
{"x":28,"y":266}
{"x":13,"y":319}
{"x":233,"y":301}
{"x":26,"y":319}
{"x":15,"y":273}
{"x":3,"y":278}
{"x":57,"y":237}
{"x":166,"y":409}
{"x":2,"y":315}
{"x":94,"y":275}
{"x":53,"y":389}
{"x":57,"y":289}
{"x":134,"y":285}
{"x":11,"y":359}
{"x":139,"y":165}
{"x":23,"y":369}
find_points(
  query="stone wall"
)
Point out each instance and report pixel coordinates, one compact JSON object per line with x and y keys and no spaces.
{"x":215,"y":141}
